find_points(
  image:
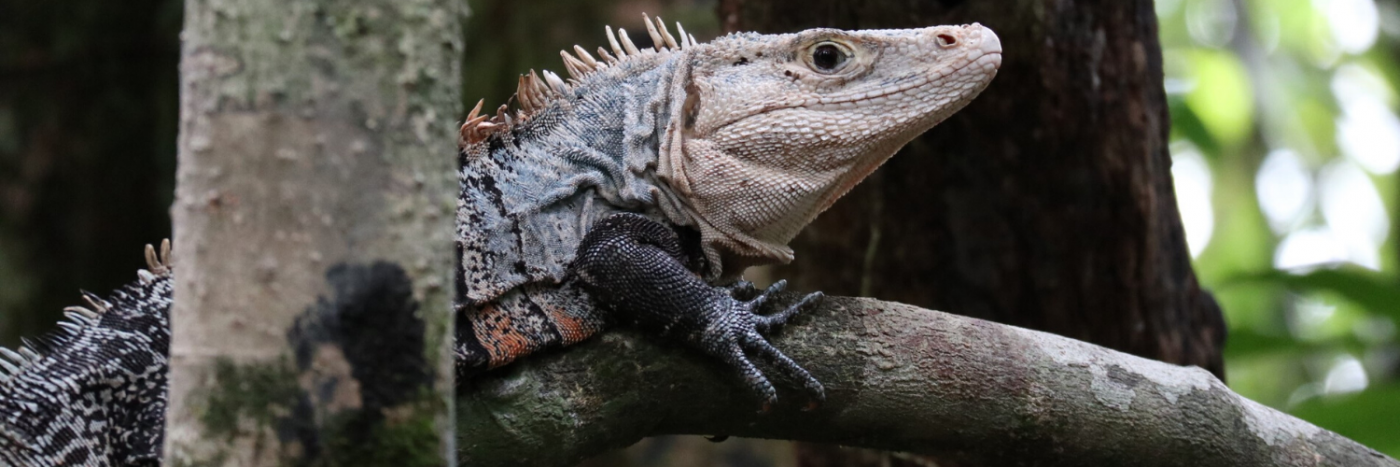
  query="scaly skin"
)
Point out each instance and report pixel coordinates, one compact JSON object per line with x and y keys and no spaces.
{"x":693,"y":161}
{"x":93,"y":393}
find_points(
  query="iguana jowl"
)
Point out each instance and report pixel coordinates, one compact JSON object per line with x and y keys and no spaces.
{"x":623,"y":196}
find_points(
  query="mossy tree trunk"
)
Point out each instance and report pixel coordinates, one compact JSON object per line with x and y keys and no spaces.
{"x":1047,"y":203}
{"x":313,"y":217}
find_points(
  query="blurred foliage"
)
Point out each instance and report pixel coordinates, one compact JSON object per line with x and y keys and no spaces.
{"x":1287,"y":101}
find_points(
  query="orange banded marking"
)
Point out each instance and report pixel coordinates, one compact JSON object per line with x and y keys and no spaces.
{"x":497,"y":334}
{"x":532,"y":318}
{"x":571,"y":328}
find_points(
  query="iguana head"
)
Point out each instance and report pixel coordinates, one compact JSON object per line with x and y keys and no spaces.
{"x":774,"y":128}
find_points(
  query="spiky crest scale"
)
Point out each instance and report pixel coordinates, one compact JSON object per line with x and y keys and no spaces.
{"x":533,"y":93}
{"x":158,"y":266}
{"x":93,"y":392}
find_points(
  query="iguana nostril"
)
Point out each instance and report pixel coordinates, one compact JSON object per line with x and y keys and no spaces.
{"x":947,"y":40}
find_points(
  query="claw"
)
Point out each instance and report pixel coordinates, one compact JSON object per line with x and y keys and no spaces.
{"x":766,"y":323}
{"x":755,"y":343}
{"x":741,"y":290}
{"x":776,"y":287}
{"x":757,"y":302}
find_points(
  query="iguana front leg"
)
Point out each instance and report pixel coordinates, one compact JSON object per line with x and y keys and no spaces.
{"x":636,"y":267}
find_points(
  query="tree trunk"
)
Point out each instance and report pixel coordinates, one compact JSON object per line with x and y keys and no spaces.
{"x":1047,"y":203}
{"x":314,"y":198}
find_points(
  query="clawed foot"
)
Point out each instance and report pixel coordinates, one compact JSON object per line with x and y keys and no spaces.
{"x":737,"y":332}
{"x":636,"y":267}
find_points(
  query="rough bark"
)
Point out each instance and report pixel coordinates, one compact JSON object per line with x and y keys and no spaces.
{"x":1047,"y":203}
{"x":313,"y":208}
{"x":898,"y":378}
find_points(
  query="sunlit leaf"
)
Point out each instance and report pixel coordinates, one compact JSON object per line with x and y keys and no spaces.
{"x":1383,"y":63}
{"x":1221,"y":97}
{"x":1187,"y":126}
{"x":1304,"y":30}
{"x":1318,"y":116}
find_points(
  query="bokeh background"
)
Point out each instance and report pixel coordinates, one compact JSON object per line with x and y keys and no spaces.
{"x":1285,"y":156}
{"x":1286,"y":149}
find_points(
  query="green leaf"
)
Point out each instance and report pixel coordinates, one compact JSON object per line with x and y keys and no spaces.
{"x":1248,"y":343}
{"x":1222,"y":98}
{"x":1304,"y":31}
{"x":1185,"y":124}
{"x":1376,"y":292}
{"x":1368,"y":417}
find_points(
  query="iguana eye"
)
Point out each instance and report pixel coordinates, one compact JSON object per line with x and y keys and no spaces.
{"x":828,"y":57}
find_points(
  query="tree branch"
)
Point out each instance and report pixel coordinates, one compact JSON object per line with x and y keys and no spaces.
{"x":901,"y":378}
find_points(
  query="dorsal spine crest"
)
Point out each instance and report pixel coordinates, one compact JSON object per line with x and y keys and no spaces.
{"x":79,"y":318}
{"x":533,"y":93}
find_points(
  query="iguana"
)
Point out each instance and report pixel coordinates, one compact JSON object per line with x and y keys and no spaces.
{"x":635,"y":193}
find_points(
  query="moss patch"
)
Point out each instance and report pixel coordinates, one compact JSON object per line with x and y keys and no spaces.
{"x":356,"y":391}
{"x":410,"y":440}
{"x":260,"y":393}
{"x":266,"y":398}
